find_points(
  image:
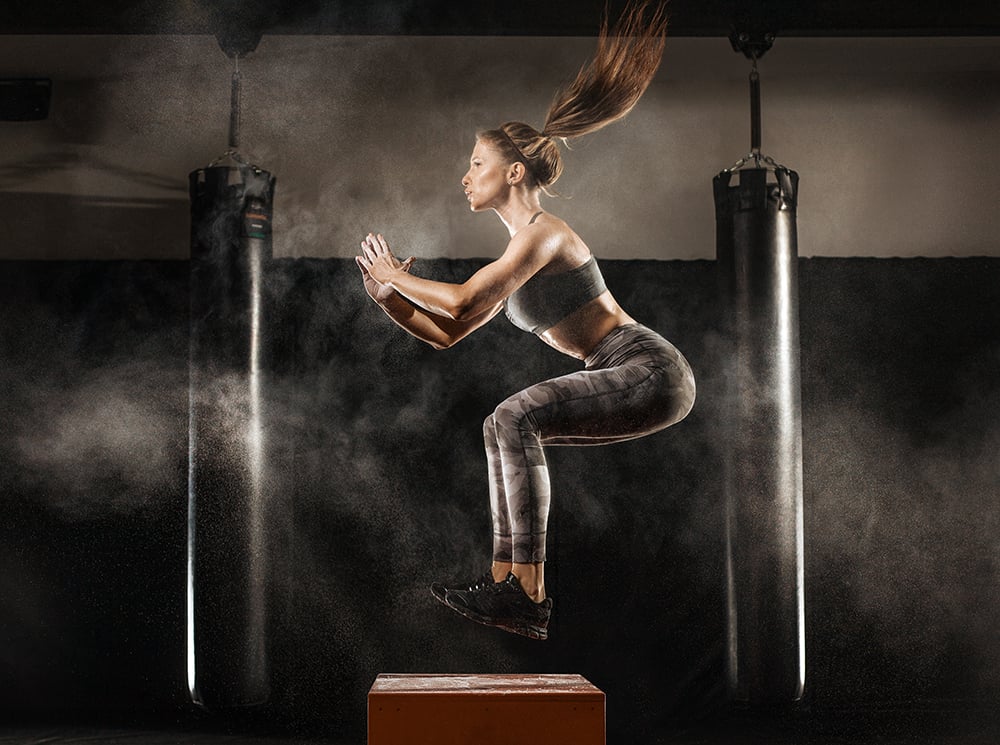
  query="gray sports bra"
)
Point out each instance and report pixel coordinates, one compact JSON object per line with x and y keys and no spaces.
{"x":546,"y":299}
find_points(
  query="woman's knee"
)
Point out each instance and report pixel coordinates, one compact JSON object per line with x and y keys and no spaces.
{"x":688,"y":395}
{"x":490,"y":433}
{"x":511,"y":417}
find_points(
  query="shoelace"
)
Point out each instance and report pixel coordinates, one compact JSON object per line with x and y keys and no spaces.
{"x":486,"y":582}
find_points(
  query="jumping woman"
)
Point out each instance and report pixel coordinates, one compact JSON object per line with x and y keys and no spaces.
{"x":633,"y":382}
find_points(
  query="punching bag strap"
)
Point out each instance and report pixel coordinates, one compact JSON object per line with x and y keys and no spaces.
{"x":787,"y":189}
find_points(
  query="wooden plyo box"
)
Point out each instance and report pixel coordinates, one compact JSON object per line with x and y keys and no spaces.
{"x":485,"y":710}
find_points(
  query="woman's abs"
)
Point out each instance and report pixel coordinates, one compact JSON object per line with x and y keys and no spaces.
{"x":579,"y":333}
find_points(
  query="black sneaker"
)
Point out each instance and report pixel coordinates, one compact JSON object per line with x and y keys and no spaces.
{"x":440,"y":591}
{"x":503,"y":605}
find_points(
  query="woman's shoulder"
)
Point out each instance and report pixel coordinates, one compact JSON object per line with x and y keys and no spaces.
{"x":567,"y":248}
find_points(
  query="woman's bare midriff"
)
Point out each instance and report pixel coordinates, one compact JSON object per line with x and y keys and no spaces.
{"x":579,"y":333}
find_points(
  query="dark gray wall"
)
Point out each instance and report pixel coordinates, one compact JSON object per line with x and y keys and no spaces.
{"x":381,"y":490}
{"x":893,"y":137}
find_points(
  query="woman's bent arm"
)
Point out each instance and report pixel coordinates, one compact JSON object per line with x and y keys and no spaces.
{"x":482,"y":293}
{"x":438,"y":331}
{"x":434,"y":329}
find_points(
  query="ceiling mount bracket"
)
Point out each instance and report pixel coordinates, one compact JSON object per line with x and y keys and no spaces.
{"x":752,"y":40}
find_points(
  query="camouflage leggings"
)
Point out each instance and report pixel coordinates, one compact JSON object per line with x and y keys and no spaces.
{"x":634,"y":383}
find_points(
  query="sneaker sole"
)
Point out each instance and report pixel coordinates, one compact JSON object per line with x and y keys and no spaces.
{"x":529,"y":630}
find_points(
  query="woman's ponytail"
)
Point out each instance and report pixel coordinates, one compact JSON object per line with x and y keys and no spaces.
{"x":610,"y":85}
{"x":604,"y":90}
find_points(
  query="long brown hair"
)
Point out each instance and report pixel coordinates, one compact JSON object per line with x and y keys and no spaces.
{"x":604,"y":90}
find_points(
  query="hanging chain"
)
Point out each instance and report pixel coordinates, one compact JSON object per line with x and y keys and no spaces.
{"x":755,"y":111}
{"x":754,"y":158}
{"x":235,"y":114}
{"x":235,"y":106}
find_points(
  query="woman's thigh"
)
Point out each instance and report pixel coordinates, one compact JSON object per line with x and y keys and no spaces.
{"x":593,"y":407}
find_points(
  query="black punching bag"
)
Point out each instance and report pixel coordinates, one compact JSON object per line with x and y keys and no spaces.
{"x":757,"y":254}
{"x":231,"y":211}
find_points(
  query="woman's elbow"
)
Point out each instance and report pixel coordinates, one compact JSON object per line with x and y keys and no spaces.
{"x":459,"y":311}
{"x":464,"y":308}
{"x":440,"y":343}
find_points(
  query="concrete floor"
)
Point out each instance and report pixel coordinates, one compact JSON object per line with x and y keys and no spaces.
{"x":897,"y":727}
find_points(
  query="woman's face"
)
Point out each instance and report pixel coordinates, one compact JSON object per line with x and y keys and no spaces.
{"x":485,"y":183}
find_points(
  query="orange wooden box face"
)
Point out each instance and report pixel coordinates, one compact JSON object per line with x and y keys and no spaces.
{"x":485,"y":710}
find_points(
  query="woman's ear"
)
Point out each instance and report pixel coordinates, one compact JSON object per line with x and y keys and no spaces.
{"x":516,"y":173}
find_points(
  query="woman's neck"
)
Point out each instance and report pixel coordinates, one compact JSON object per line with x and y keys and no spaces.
{"x":518,"y":210}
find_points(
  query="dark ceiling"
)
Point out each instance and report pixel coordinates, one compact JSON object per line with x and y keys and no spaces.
{"x":498,"y":17}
